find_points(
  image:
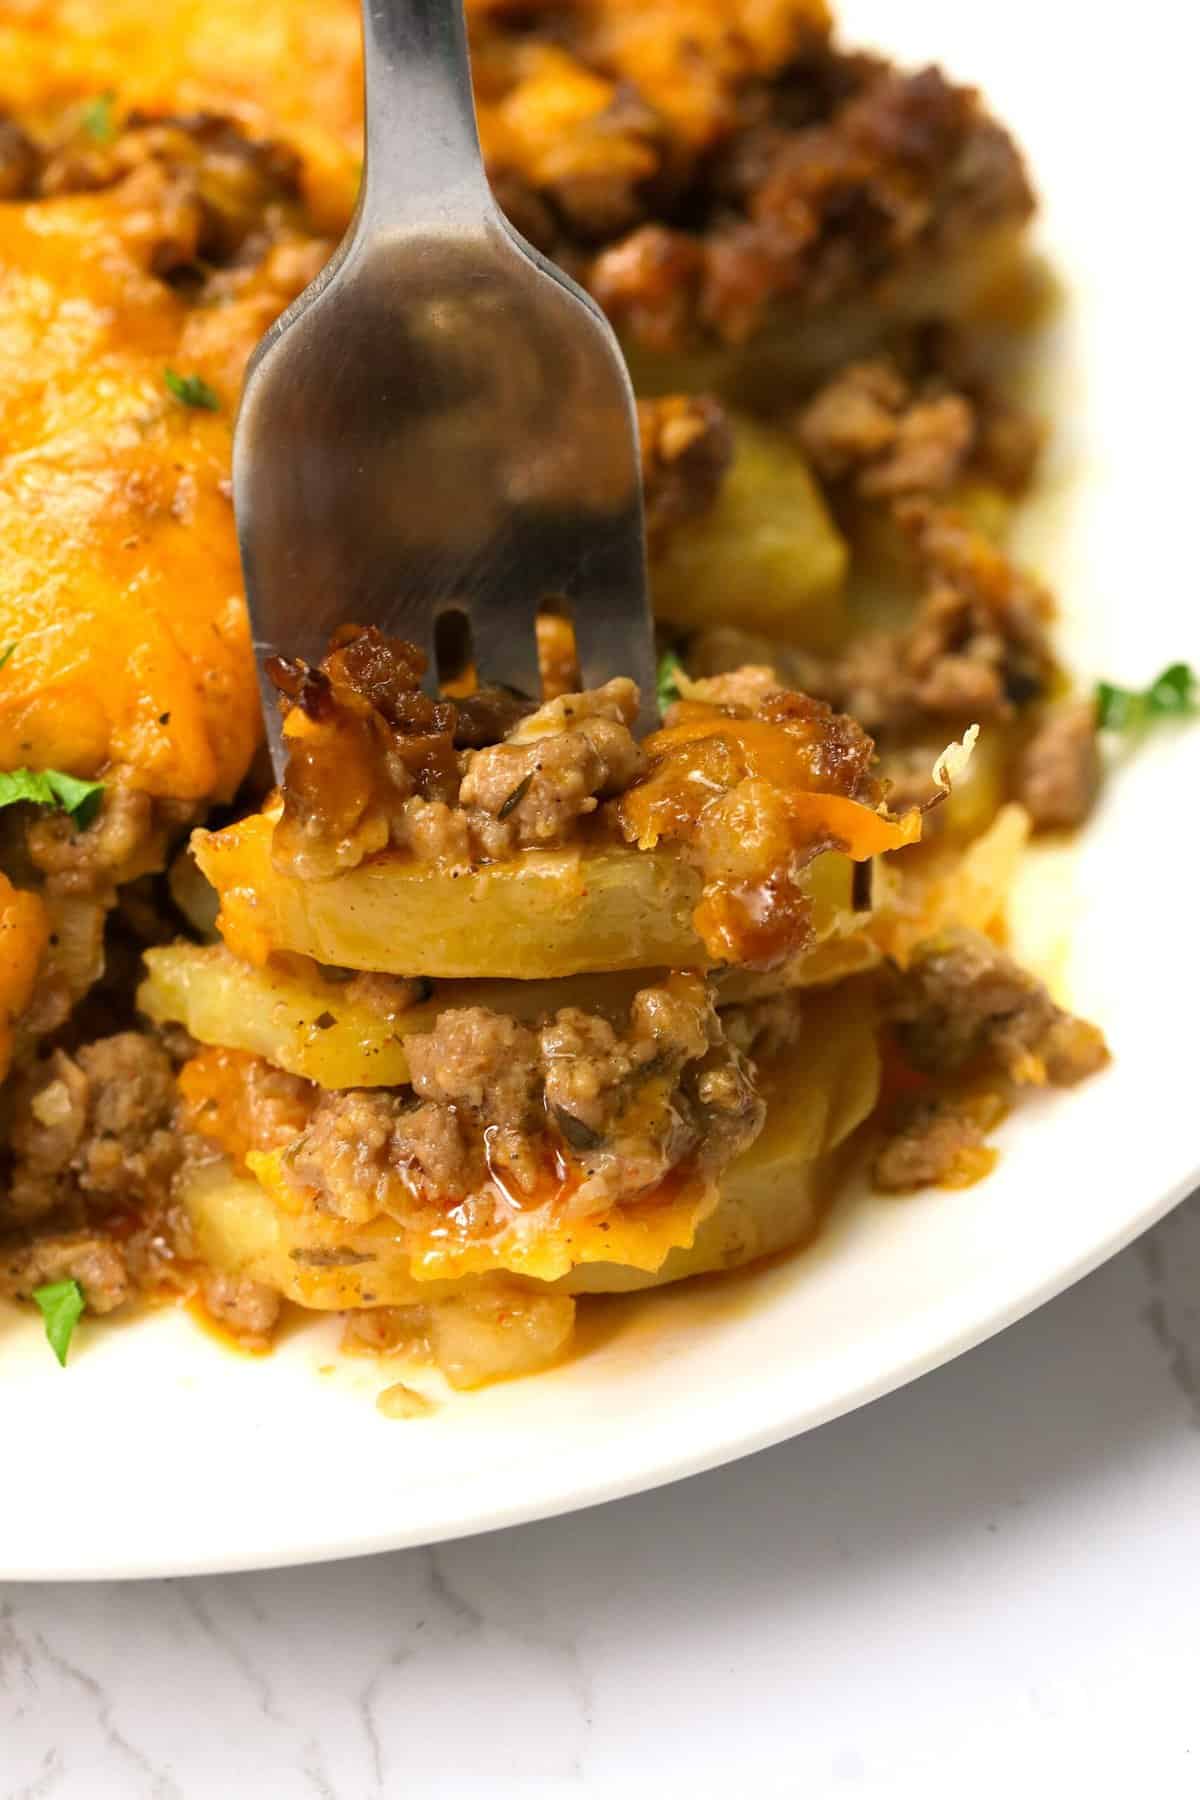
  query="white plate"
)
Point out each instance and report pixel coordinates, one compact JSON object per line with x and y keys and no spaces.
{"x":158,"y":1453}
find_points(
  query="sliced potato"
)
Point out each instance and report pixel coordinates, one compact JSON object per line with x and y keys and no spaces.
{"x":286,"y":1011}
{"x":767,"y":554}
{"x":771,"y":1196}
{"x":295,"y":1020}
{"x":539,"y":915}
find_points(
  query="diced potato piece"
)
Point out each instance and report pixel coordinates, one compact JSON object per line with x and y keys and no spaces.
{"x":767,"y":554}
{"x":771,"y":1196}
{"x":541,"y":914}
{"x":496,"y":1334}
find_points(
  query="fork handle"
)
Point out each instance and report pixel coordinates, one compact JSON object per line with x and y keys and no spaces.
{"x":423,"y":162}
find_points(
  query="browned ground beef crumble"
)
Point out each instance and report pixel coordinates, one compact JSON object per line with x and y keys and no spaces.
{"x":932,"y":1141}
{"x":976,"y":649}
{"x":498,"y":1107}
{"x":964,"y":1003}
{"x":92,"y":1154}
{"x":1057,"y":776}
{"x":964,"y":1011}
{"x":846,"y":174}
{"x":916,"y":419}
{"x":213,"y":199}
{"x":687,"y":447}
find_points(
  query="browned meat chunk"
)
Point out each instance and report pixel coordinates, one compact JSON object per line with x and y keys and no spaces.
{"x":889,"y":171}
{"x":557,"y":765}
{"x":976,"y":649}
{"x":934,"y":1142}
{"x":248,"y":1309}
{"x":1058,"y":773}
{"x":964,"y":1002}
{"x":687,"y":446}
{"x":915,"y":421}
{"x":207,"y":194}
{"x":867,"y":425}
{"x":499,"y":1106}
{"x":380,"y":762}
{"x":91,"y":1258}
{"x":127,"y":838}
{"x":94,"y":1131}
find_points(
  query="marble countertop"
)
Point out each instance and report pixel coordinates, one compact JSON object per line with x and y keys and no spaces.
{"x":987,"y":1577}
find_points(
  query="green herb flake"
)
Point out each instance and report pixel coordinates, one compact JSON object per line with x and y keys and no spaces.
{"x":6,"y":653}
{"x":669,"y":669}
{"x":61,"y":1305}
{"x":51,"y":787}
{"x":192,"y":390}
{"x":1175,"y":694}
{"x":97,"y":118}
{"x":515,"y":798}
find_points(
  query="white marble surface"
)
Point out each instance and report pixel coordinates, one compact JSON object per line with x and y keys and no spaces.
{"x":990,"y":1577}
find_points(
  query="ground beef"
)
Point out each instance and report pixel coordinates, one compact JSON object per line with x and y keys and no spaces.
{"x":893,"y":171}
{"x":977,"y":647}
{"x":499,"y":1108}
{"x":382,"y":764}
{"x":201,"y":194}
{"x":93,"y":1132}
{"x":916,"y":420}
{"x":687,"y":447}
{"x":387,"y":995}
{"x":242,"y":1102}
{"x":869,"y":428}
{"x":93,"y":1259}
{"x":480,"y":1060}
{"x":248,"y":1309}
{"x":1058,"y":772}
{"x":964,"y":1003}
{"x":557,"y":765}
{"x":932,"y":1142}
{"x":128,"y":837}
{"x":367,"y":1151}
{"x":744,"y":687}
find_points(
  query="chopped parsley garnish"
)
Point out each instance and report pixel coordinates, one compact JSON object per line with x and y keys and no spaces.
{"x":669,"y":667}
{"x":192,"y":390}
{"x":1175,"y":694}
{"x":61,"y":1304}
{"x":50,"y":787}
{"x":97,"y":118}
{"x":6,"y":653}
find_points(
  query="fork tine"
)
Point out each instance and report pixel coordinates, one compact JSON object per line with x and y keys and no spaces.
{"x":614,"y":634}
{"x":504,"y":638}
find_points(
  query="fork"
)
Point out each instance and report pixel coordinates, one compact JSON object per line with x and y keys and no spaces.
{"x":439,"y":436}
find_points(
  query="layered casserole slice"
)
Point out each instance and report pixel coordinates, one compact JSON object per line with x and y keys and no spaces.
{"x":491,"y":1005}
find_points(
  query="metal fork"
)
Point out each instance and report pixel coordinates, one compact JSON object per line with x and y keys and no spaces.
{"x":443,"y":422}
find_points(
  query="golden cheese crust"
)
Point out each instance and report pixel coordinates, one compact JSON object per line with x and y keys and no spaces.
{"x":600,"y":120}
